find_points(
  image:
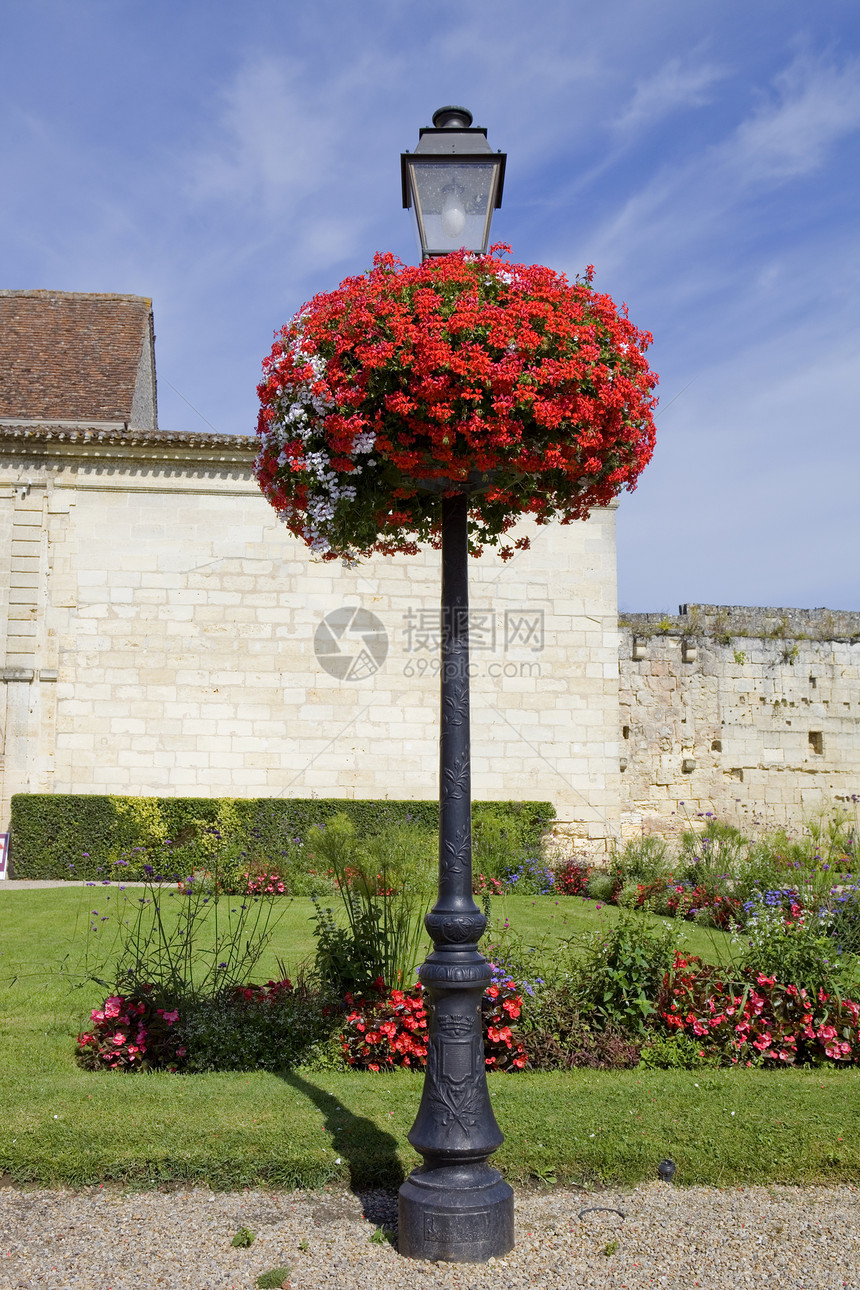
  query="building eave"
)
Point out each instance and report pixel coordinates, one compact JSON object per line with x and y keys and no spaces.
{"x":116,"y":440}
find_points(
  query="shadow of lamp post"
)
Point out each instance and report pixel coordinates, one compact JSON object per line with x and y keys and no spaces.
{"x":455,"y":1206}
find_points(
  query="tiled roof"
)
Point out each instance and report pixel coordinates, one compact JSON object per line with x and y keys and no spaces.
{"x":70,"y":356}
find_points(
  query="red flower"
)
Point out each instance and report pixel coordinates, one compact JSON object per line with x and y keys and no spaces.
{"x":461,"y":364}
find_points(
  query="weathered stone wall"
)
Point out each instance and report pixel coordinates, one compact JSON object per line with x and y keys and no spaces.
{"x":159,"y":630}
{"x":753,"y":714}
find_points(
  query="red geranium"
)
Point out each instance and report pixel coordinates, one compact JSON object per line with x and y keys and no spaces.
{"x":462,"y":370}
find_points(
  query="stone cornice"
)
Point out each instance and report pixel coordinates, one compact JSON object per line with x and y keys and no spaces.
{"x":117,"y":442}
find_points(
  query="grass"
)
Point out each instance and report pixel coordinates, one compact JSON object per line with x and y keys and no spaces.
{"x":61,"y":1125}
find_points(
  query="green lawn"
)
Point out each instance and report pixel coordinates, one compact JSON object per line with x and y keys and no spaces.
{"x":59,"y":1124}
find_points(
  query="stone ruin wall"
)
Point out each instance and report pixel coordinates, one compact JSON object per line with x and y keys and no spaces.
{"x":752,"y":714}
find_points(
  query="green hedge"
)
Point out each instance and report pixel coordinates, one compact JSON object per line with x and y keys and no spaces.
{"x":75,"y":836}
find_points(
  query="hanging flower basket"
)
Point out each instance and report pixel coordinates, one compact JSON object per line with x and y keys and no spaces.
{"x":464,"y":373}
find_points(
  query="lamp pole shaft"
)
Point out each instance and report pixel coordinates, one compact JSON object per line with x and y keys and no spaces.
{"x":455,"y":770}
{"x":455,"y":1207}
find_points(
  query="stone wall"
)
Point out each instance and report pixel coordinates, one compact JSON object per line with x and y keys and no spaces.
{"x":162,"y":633}
{"x":753,"y":714}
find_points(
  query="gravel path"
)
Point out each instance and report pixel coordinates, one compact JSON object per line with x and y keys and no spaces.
{"x":678,"y":1238}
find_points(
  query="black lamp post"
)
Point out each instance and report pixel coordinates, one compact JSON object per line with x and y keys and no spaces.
{"x":455,"y":1207}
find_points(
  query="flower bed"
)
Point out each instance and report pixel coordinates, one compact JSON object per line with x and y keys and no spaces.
{"x":717,"y":1016}
{"x":389,"y":1029}
{"x":757,"y":1018}
{"x":718,"y":878}
{"x":130,"y":1033}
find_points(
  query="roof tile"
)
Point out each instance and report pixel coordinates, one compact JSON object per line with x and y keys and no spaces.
{"x":70,"y":356}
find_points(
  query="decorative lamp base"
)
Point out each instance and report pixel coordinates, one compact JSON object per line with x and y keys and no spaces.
{"x":460,"y":1213}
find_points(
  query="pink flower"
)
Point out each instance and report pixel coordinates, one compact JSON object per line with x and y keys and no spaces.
{"x":170,"y":1017}
{"x":113,"y":1005}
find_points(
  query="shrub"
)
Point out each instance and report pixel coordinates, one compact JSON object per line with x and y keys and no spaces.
{"x":641,"y":860}
{"x":601,"y":885}
{"x":260,"y":1027}
{"x":503,"y":837}
{"x":557,"y":1036}
{"x":631,"y":895}
{"x":384,"y":930}
{"x":254,"y":1027}
{"x":618,"y":971}
{"x":681,"y":899}
{"x":571,"y":878}
{"x":407,"y":853}
{"x":783,"y":940}
{"x":90,"y":832}
{"x":719,"y":846}
{"x":843,"y":921}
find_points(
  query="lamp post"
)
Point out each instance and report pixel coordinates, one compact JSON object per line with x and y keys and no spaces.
{"x":455,"y":1207}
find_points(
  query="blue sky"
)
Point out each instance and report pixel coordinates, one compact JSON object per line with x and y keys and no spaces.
{"x":229,"y":160}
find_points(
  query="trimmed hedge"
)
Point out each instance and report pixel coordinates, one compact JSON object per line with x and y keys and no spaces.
{"x":78,"y":836}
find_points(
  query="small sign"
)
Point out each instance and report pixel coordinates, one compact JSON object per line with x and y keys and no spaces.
{"x":4,"y":855}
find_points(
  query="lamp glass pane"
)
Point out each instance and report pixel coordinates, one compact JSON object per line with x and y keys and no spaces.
{"x":453,"y":203}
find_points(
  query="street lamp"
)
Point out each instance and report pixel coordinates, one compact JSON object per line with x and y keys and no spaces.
{"x":452,"y":182}
{"x":455,"y":1207}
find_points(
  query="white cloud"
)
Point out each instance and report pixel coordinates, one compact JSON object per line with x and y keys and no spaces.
{"x":696,"y":218}
{"x":274,"y":140}
{"x":814,"y":104}
{"x":677,"y":85}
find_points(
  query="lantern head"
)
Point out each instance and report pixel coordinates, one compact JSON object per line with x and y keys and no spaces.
{"x":452,"y":182}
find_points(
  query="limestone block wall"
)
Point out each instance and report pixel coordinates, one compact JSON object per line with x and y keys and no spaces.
{"x":164,"y":634}
{"x":753,"y":714}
